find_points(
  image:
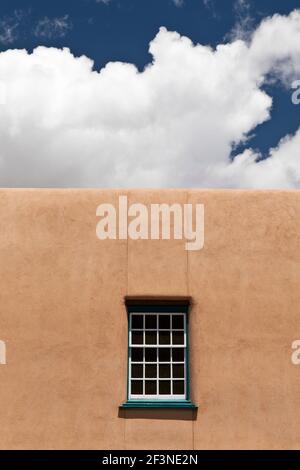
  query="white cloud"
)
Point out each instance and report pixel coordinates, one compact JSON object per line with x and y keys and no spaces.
{"x":242,"y":5}
{"x":9,"y":27}
{"x":211,"y":7}
{"x":280,"y":170}
{"x":12,"y":27}
{"x":174,"y":124}
{"x":8,"y":32}
{"x":208,"y":3}
{"x":53,"y":27}
{"x":178,"y":3}
{"x":244,"y":23}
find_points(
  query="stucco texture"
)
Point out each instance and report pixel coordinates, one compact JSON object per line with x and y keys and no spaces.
{"x":63,"y":319}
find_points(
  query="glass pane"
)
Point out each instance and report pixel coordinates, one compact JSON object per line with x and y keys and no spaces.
{"x":178,"y":337}
{"x":136,"y":321}
{"x":137,"y":354}
{"x":137,"y":387}
{"x":151,"y":322}
{"x":177,"y":322}
{"x":150,"y":371}
{"x":164,"y":337}
{"x":150,"y":387}
{"x":178,"y":355}
{"x":150,"y":355}
{"x":136,"y":371}
{"x":178,"y":387}
{"x":165,"y":387}
{"x":137,"y":337}
{"x":178,"y":371}
{"x":164,"y":354}
{"x":150,"y":337}
{"x":164,"y":321}
{"x":164,"y":371}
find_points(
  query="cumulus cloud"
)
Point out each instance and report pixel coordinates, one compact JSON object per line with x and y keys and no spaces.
{"x":280,"y":170}
{"x":172,"y":125}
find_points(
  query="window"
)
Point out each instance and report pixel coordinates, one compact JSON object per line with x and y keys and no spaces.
{"x":158,"y":354}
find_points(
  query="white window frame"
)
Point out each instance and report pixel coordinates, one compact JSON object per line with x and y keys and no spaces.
{"x":171,"y":346}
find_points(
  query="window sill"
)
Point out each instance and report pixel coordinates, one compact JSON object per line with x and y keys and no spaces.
{"x":185,"y":404}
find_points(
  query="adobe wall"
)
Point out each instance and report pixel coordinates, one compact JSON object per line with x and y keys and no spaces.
{"x":63,"y":319}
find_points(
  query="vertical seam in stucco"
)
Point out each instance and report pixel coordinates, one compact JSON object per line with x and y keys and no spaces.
{"x":124,"y":429}
{"x":188,"y":293}
{"x":127,"y":293}
{"x":187,"y":257}
{"x":193,"y":431}
{"x":127,"y":270}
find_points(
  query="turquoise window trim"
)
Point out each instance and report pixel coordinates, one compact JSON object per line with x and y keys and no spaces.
{"x":186,"y":403}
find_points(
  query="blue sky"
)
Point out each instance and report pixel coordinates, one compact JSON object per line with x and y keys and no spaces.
{"x":121,"y":30}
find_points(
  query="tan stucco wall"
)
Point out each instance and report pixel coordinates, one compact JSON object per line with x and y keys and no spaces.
{"x":63,"y":319}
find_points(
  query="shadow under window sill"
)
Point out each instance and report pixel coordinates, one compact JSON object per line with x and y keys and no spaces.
{"x":183,"y":410}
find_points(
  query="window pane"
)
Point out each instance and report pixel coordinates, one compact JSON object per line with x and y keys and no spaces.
{"x":164,"y":354}
{"x":177,"y":322}
{"x":136,"y":371}
{"x":178,"y":337}
{"x":178,"y":355}
{"x":164,"y":321}
{"x":137,"y":337}
{"x":137,"y":387}
{"x":151,"y":322}
{"x":150,"y":387}
{"x":178,"y":387}
{"x":164,"y":371}
{"x":150,"y":371}
{"x":164,"y":337}
{"x":178,"y":371}
{"x":150,"y":355}
{"x":137,"y":354}
{"x":165,"y":387}
{"x":136,"y":321}
{"x":150,"y":337}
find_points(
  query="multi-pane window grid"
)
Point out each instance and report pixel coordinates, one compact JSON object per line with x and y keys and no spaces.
{"x":157,"y":356}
